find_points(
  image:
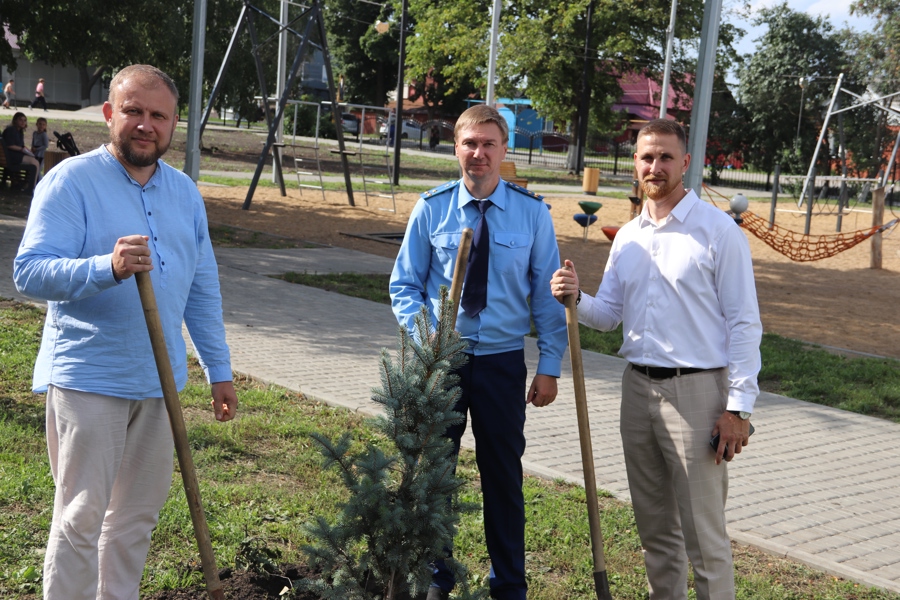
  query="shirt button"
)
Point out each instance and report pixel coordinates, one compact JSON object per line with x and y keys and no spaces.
{"x":512,"y":243}
{"x":149,"y":213}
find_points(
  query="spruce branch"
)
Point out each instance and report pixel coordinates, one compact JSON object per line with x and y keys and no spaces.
{"x":402,"y":511}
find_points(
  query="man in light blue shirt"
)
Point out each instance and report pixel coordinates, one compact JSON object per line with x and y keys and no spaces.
{"x":97,"y":219}
{"x":514,"y":255}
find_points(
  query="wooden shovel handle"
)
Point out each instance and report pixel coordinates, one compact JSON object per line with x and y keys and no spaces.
{"x":459,"y":270}
{"x":179,"y":434}
{"x":601,"y":580}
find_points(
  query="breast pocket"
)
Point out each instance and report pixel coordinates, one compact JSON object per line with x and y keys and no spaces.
{"x":445,"y":246}
{"x":510,"y":251}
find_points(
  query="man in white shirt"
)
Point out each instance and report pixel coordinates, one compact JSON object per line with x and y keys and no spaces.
{"x":680,"y":279}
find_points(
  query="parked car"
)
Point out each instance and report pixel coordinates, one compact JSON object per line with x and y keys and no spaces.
{"x":350,"y":123}
{"x":410,"y":130}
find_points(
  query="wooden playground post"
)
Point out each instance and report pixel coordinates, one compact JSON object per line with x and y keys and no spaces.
{"x":877,"y":221}
{"x":776,"y":185}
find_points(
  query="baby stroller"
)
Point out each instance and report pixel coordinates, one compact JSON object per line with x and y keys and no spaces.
{"x":66,"y":142}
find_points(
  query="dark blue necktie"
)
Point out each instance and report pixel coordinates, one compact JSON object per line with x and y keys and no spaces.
{"x":474,"y":297}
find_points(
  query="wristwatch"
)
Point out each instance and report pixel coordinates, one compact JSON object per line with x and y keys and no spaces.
{"x":578,"y":299}
{"x":741,"y":414}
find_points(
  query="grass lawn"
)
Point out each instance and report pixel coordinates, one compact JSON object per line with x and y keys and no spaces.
{"x":261,"y":481}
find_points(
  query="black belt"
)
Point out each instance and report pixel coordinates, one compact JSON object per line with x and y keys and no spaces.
{"x":665,"y":372}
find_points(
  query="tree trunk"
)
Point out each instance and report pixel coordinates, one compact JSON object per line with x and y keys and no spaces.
{"x":380,"y":92}
{"x":572,"y":154}
{"x":88,"y":80}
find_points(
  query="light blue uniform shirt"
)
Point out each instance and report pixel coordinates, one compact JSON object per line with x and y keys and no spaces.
{"x":95,"y":336}
{"x":523,"y":257}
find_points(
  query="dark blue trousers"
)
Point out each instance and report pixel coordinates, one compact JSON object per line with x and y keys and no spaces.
{"x":493,"y":397}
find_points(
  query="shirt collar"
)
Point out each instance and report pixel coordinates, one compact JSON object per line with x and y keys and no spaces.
{"x":498,"y":196}
{"x":115,"y":161}
{"x":679,"y":212}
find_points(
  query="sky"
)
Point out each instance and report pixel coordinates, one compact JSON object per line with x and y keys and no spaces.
{"x":838,"y":12}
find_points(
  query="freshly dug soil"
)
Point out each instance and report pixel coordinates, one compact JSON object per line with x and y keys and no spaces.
{"x":245,"y":586}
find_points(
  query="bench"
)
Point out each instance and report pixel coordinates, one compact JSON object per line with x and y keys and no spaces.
{"x":7,"y":173}
{"x":508,"y":173}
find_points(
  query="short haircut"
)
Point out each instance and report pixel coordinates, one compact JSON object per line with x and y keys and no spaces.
{"x":40,"y":120}
{"x":665,"y":127}
{"x":148,"y":76}
{"x":478,"y":114}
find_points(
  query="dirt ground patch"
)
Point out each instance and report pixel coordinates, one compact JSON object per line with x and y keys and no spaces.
{"x":837,"y":302}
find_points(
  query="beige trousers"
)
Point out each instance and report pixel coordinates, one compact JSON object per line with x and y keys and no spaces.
{"x":112,"y":462}
{"x":677,"y":490}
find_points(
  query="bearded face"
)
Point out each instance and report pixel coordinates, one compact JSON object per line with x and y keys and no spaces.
{"x":141,"y":119}
{"x":660,"y":161}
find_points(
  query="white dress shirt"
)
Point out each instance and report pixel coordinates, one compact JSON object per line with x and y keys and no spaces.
{"x":685,"y":292}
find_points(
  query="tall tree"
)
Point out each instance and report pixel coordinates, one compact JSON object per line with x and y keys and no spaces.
{"x":796,"y":45}
{"x":365,"y":54}
{"x":876,"y":60}
{"x":97,"y":36}
{"x":542,"y":48}
{"x":447,"y":57}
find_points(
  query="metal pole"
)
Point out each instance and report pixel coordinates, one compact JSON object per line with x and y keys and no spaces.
{"x":887,"y":170}
{"x":803,"y":84}
{"x":279,"y":83}
{"x":670,"y":41}
{"x":332,"y":93}
{"x":812,"y":163}
{"x":398,"y":118}
{"x":809,"y":203}
{"x":195,"y":98}
{"x":492,"y":57}
{"x":842,"y":195}
{"x":585,"y":104}
{"x":232,"y":44}
{"x":712,"y":13}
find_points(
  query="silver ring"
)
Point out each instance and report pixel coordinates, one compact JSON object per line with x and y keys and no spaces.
{"x":139,"y":260}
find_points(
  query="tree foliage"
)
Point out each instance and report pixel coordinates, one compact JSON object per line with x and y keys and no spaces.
{"x":365,"y":57}
{"x":97,"y":36}
{"x":875,"y":59}
{"x":403,"y":511}
{"x":796,"y":45}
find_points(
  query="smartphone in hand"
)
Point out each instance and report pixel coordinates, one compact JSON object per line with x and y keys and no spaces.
{"x":714,"y":441}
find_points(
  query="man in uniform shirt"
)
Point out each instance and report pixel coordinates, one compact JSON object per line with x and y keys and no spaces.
{"x":514,"y":253}
{"x":680,"y":279}
{"x":96,"y":220}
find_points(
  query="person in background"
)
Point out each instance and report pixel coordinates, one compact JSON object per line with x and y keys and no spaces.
{"x":40,"y":141}
{"x":17,"y":153}
{"x":96,"y":220}
{"x":9,"y":90}
{"x":39,"y":96}
{"x":680,"y":280}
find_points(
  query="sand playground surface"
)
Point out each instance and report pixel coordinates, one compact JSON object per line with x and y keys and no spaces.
{"x":838,"y":302}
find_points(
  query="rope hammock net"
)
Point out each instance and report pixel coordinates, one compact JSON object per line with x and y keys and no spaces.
{"x":797,"y":246}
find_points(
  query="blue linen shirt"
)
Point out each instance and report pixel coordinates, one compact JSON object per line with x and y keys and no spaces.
{"x":523,"y":257}
{"x":95,"y":336}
